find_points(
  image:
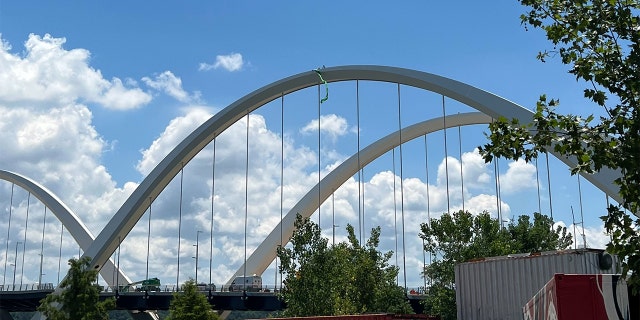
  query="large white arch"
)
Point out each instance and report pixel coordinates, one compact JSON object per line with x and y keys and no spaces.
{"x":134,"y":207}
{"x":264,"y":254}
{"x":69,"y":219}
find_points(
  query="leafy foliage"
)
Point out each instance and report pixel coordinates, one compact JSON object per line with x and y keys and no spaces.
{"x":599,"y":41}
{"x":189,"y":304}
{"x":347,"y":278}
{"x":79,"y":299}
{"x":461,"y":236}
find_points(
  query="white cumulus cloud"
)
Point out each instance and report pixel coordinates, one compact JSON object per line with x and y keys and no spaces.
{"x":231,"y":62}
{"x":332,"y":125}
{"x":520,"y":176}
{"x":168,"y":83}
{"x":47,"y":73}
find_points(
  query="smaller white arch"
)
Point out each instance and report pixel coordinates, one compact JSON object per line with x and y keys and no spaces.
{"x":264,"y":254}
{"x":69,"y":219}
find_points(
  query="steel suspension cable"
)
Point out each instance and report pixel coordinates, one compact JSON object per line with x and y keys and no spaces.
{"x":446,"y":153}
{"x":333,"y":216}
{"x":584,"y":238}
{"x":360,"y":193}
{"x":148,"y":238}
{"x":118,"y":264}
{"x":499,"y":190}
{"x":179,"y":226}
{"x":281,"y":181}
{"x":404,"y":251}
{"x":213,"y":194}
{"x":319,"y":187}
{"x":461,"y":174}
{"x":6,"y":251}
{"x":426,"y":166}
{"x":538,"y":184}
{"x":549,"y":186}
{"x":24,"y":243}
{"x":495,"y":173}
{"x":246,"y":204}
{"x":395,"y":212}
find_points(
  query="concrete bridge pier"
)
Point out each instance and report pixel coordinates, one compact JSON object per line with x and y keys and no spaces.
{"x":144,"y":315}
{"x":5,"y":315}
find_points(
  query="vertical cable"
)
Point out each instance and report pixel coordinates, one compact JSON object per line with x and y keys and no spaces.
{"x":24,"y":243}
{"x":60,"y":252}
{"x":499,"y":189}
{"x":461,"y":174}
{"x":319,"y":203}
{"x":360,"y":213}
{"x":446,"y":154}
{"x":148,"y":239}
{"x":495,"y":173}
{"x":404,"y":251}
{"x":426,"y":166}
{"x":549,"y":186}
{"x":363,"y":205}
{"x":395,"y":212}
{"x":44,"y":225}
{"x":6,"y":251}
{"x":538,"y":184}
{"x":118,"y":274}
{"x":179,"y":226}
{"x":333,"y":216}
{"x":113,"y":274}
{"x":281,"y":180}
{"x":246,"y":203}
{"x":213,"y":194}
{"x":584,"y":237}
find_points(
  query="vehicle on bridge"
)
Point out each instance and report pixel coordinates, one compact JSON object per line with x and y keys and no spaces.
{"x":249,"y":283}
{"x":151,"y":284}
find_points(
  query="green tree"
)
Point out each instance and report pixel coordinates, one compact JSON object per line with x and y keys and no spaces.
{"x":189,"y":304}
{"x":461,"y":236}
{"x":80,"y":296}
{"x":599,"y":41}
{"x":538,"y":235}
{"x":347,"y":278}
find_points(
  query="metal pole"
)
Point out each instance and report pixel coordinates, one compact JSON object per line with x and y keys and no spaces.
{"x":197,"y":245}
{"x":15,"y":264}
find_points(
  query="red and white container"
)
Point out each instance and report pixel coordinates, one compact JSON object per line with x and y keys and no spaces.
{"x":580,"y":296}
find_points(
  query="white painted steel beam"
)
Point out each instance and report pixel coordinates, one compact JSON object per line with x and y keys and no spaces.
{"x":264,"y":254}
{"x":134,"y":207}
{"x":69,"y":219}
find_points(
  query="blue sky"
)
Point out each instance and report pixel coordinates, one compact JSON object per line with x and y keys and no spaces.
{"x":96,"y":93}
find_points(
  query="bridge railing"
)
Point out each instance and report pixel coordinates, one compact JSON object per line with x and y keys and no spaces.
{"x":27,"y":287}
{"x":201,"y":287}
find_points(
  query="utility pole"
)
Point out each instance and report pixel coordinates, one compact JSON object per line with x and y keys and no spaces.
{"x":15,"y":264}
{"x":197,"y":245}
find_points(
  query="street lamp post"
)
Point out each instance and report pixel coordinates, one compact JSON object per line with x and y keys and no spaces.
{"x":15,"y":264}
{"x":197,"y":245}
{"x":40,"y":274}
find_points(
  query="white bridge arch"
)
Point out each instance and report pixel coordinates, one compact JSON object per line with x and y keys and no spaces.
{"x":67,"y":217}
{"x":488,"y":104}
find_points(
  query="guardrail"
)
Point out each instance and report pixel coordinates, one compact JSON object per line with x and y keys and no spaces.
{"x":27,"y":287}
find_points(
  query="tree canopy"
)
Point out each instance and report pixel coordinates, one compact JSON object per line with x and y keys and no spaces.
{"x":189,"y":304}
{"x":599,"y":41}
{"x":346,"y":278}
{"x":80,"y":296}
{"x":461,"y":236}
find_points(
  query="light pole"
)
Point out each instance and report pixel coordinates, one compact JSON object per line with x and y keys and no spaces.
{"x":15,"y":264}
{"x":40,"y":275}
{"x":197,"y":245}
